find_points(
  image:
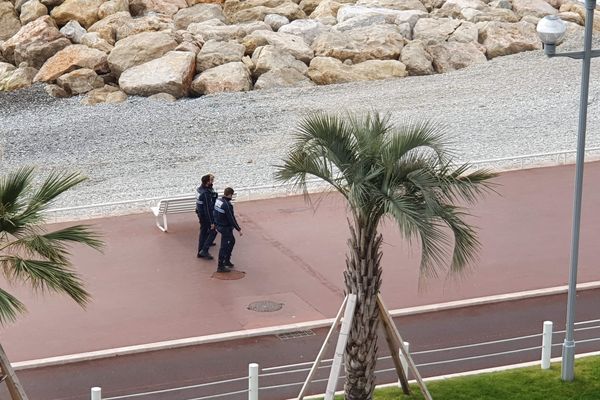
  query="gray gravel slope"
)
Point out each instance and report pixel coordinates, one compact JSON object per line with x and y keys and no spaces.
{"x":509,"y":106}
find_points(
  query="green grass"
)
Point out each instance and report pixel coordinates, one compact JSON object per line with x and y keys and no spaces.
{"x":520,"y":384}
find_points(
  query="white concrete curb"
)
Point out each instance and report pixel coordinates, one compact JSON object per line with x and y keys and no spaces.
{"x":273,"y":330}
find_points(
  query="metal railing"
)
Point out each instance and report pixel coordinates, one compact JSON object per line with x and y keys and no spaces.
{"x":300,"y":370}
{"x":315,"y":185}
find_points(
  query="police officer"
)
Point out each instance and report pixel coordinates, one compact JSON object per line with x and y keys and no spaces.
{"x":224,"y":218}
{"x":205,"y":203}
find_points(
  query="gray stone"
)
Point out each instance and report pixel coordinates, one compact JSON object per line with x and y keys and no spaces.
{"x":73,"y":31}
{"x":276,"y":21}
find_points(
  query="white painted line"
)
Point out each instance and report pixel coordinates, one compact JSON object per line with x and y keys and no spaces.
{"x":467,"y":373}
{"x":274,"y":330}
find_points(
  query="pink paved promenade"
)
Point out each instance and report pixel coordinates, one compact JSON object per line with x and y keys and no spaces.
{"x":149,"y":286}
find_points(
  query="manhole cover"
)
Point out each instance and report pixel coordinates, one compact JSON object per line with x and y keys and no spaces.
{"x":265,"y":306}
{"x":229,"y":276}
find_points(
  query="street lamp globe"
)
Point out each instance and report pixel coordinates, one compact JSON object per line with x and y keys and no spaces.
{"x":551,"y":29}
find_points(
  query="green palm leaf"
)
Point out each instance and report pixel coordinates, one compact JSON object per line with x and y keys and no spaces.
{"x":28,"y":253}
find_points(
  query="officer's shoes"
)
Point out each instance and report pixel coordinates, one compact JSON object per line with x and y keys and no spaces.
{"x":223,"y":269}
{"x":228,"y":263}
{"x":205,"y":255}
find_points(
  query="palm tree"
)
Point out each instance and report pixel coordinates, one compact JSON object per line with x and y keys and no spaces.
{"x":404,"y":174}
{"x":28,"y":253}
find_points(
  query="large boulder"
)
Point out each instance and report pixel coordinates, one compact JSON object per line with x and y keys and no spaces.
{"x":270,"y":58}
{"x":34,"y":43}
{"x":394,"y":4}
{"x":107,"y":27}
{"x":80,"y":81}
{"x":347,"y":12}
{"x":148,"y":23}
{"x":440,"y":29}
{"x":288,"y":9}
{"x":83,"y":11}
{"x":417,"y":59}
{"x":291,"y":44}
{"x":326,"y":10}
{"x":32,"y":10}
{"x":450,"y":56}
{"x":215,"y":53}
{"x":307,"y":29}
{"x":491,"y":14}
{"x":164,"y":7}
{"x":139,"y":49}
{"x":198,"y":13}
{"x":70,"y":58}
{"x":211,"y":30}
{"x":5,"y":68}
{"x":107,"y":94}
{"x":94,"y":41}
{"x":171,"y":73}
{"x":454,"y":8}
{"x":9,"y":22}
{"x":538,"y":8}
{"x":284,"y":77}
{"x":377,"y":42}
{"x":327,"y":70}
{"x":230,"y":77}
{"x":73,"y":31}
{"x":112,"y":7}
{"x":503,"y":38}
{"x":19,"y":78}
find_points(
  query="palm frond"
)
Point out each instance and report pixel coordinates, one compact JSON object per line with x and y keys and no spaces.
{"x":45,"y":276}
{"x":53,"y":246}
{"x":10,"y":307}
{"x":54,"y":185}
{"x":13,"y":189}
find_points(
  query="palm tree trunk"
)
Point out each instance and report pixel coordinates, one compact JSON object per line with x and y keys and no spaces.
{"x":363,"y":278}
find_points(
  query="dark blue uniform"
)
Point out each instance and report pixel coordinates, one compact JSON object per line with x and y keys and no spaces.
{"x":225,"y":220}
{"x":205,"y":203}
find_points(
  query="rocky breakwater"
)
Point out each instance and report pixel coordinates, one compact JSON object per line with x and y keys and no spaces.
{"x":169,"y":49}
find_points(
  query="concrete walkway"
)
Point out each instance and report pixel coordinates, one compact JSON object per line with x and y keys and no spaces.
{"x":149,"y":286}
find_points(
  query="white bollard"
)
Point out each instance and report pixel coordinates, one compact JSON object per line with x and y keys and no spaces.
{"x":253,"y":381}
{"x":404,"y":362}
{"x":547,"y":344}
{"x":96,"y":393}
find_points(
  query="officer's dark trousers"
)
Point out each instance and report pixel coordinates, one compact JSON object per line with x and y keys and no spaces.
{"x":207,"y":235}
{"x":227,"y":242}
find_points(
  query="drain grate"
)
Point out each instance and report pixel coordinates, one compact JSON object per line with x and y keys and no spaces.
{"x":295,"y":334}
{"x":265,"y":306}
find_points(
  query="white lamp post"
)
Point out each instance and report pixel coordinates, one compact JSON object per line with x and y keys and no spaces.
{"x":551,"y":29}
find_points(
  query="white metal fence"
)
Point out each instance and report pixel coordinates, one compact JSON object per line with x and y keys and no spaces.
{"x":315,"y":185}
{"x":298,"y":372}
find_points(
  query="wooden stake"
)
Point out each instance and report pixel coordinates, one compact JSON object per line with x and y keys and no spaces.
{"x":315,"y":365}
{"x":12,"y":382}
{"x":394,"y":346}
{"x":384,"y":313}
